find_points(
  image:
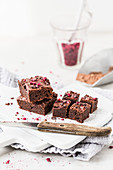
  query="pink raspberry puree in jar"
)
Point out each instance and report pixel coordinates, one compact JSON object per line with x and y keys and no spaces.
{"x":70,"y":52}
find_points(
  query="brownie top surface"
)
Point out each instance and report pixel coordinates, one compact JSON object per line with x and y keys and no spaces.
{"x":36,"y":82}
{"x":89,"y":98}
{"x":80,"y":107}
{"x":71,"y":94}
{"x":61,"y":103}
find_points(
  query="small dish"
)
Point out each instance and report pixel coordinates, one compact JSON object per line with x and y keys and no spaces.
{"x":99,"y":62}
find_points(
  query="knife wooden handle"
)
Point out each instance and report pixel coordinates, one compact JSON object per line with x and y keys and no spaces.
{"x":75,"y":129}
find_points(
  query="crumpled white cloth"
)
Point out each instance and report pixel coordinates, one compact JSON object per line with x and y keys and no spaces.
{"x":87,"y":148}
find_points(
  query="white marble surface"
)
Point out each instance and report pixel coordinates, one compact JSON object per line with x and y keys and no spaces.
{"x":36,"y":55}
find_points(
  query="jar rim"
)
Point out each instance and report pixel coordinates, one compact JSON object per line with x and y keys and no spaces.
{"x":60,"y":28}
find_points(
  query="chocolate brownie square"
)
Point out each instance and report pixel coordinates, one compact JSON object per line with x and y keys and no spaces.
{"x":90,"y":100}
{"x":79,"y":111}
{"x":70,"y":95}
{"x":42,"y":107}
{"x":61,"y":108}
{"x":35,"y":88}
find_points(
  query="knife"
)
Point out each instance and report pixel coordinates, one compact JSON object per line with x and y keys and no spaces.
{"x":65,"y":128}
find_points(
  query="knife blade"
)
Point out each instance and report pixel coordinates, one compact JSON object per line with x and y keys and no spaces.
{"x":30,"y":125}
{"x":65,"y":128}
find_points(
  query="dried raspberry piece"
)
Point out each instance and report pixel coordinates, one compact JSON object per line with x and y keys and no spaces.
{"x":48,"y":159}
{"x":31,"y":83}
{"x":38,"y":84}
{"x":68,"y":94}
{"x":77,"y":102}
{"x":110,"y":147}
{"x":44,"y":78}
{"x":59,"y":100}
{"x":24,"y":118}
{"x":37,"y":119}
{"x":62,"y":119}
{"x":8,"y":161}
{"x":34,"y":79}
{"x":50,"y":72}
{"x":94,"y":98}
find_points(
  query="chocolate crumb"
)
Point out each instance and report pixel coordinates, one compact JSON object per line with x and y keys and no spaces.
{"x":7,"y":104}
{"x":53,"y":118}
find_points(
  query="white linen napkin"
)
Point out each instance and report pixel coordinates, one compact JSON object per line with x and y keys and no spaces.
{"x":87,"y":148}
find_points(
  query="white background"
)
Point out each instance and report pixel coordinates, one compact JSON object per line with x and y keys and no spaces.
{"x":31,"y":17}
{"x":26,"y":47}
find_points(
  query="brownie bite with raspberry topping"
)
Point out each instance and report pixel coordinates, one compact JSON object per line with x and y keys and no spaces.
{"x":90,"y":100}
{"x":35,"y":88}
{"x":61,"y":108}
{"x":79,"y":111}
{"x":70,"y":95}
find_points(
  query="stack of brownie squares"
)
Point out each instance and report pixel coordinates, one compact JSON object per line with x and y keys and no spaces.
{"x":70,"y":107}
{"x":36,"y":95}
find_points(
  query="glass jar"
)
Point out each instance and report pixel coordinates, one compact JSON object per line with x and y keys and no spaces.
{"x":70,"y":41}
